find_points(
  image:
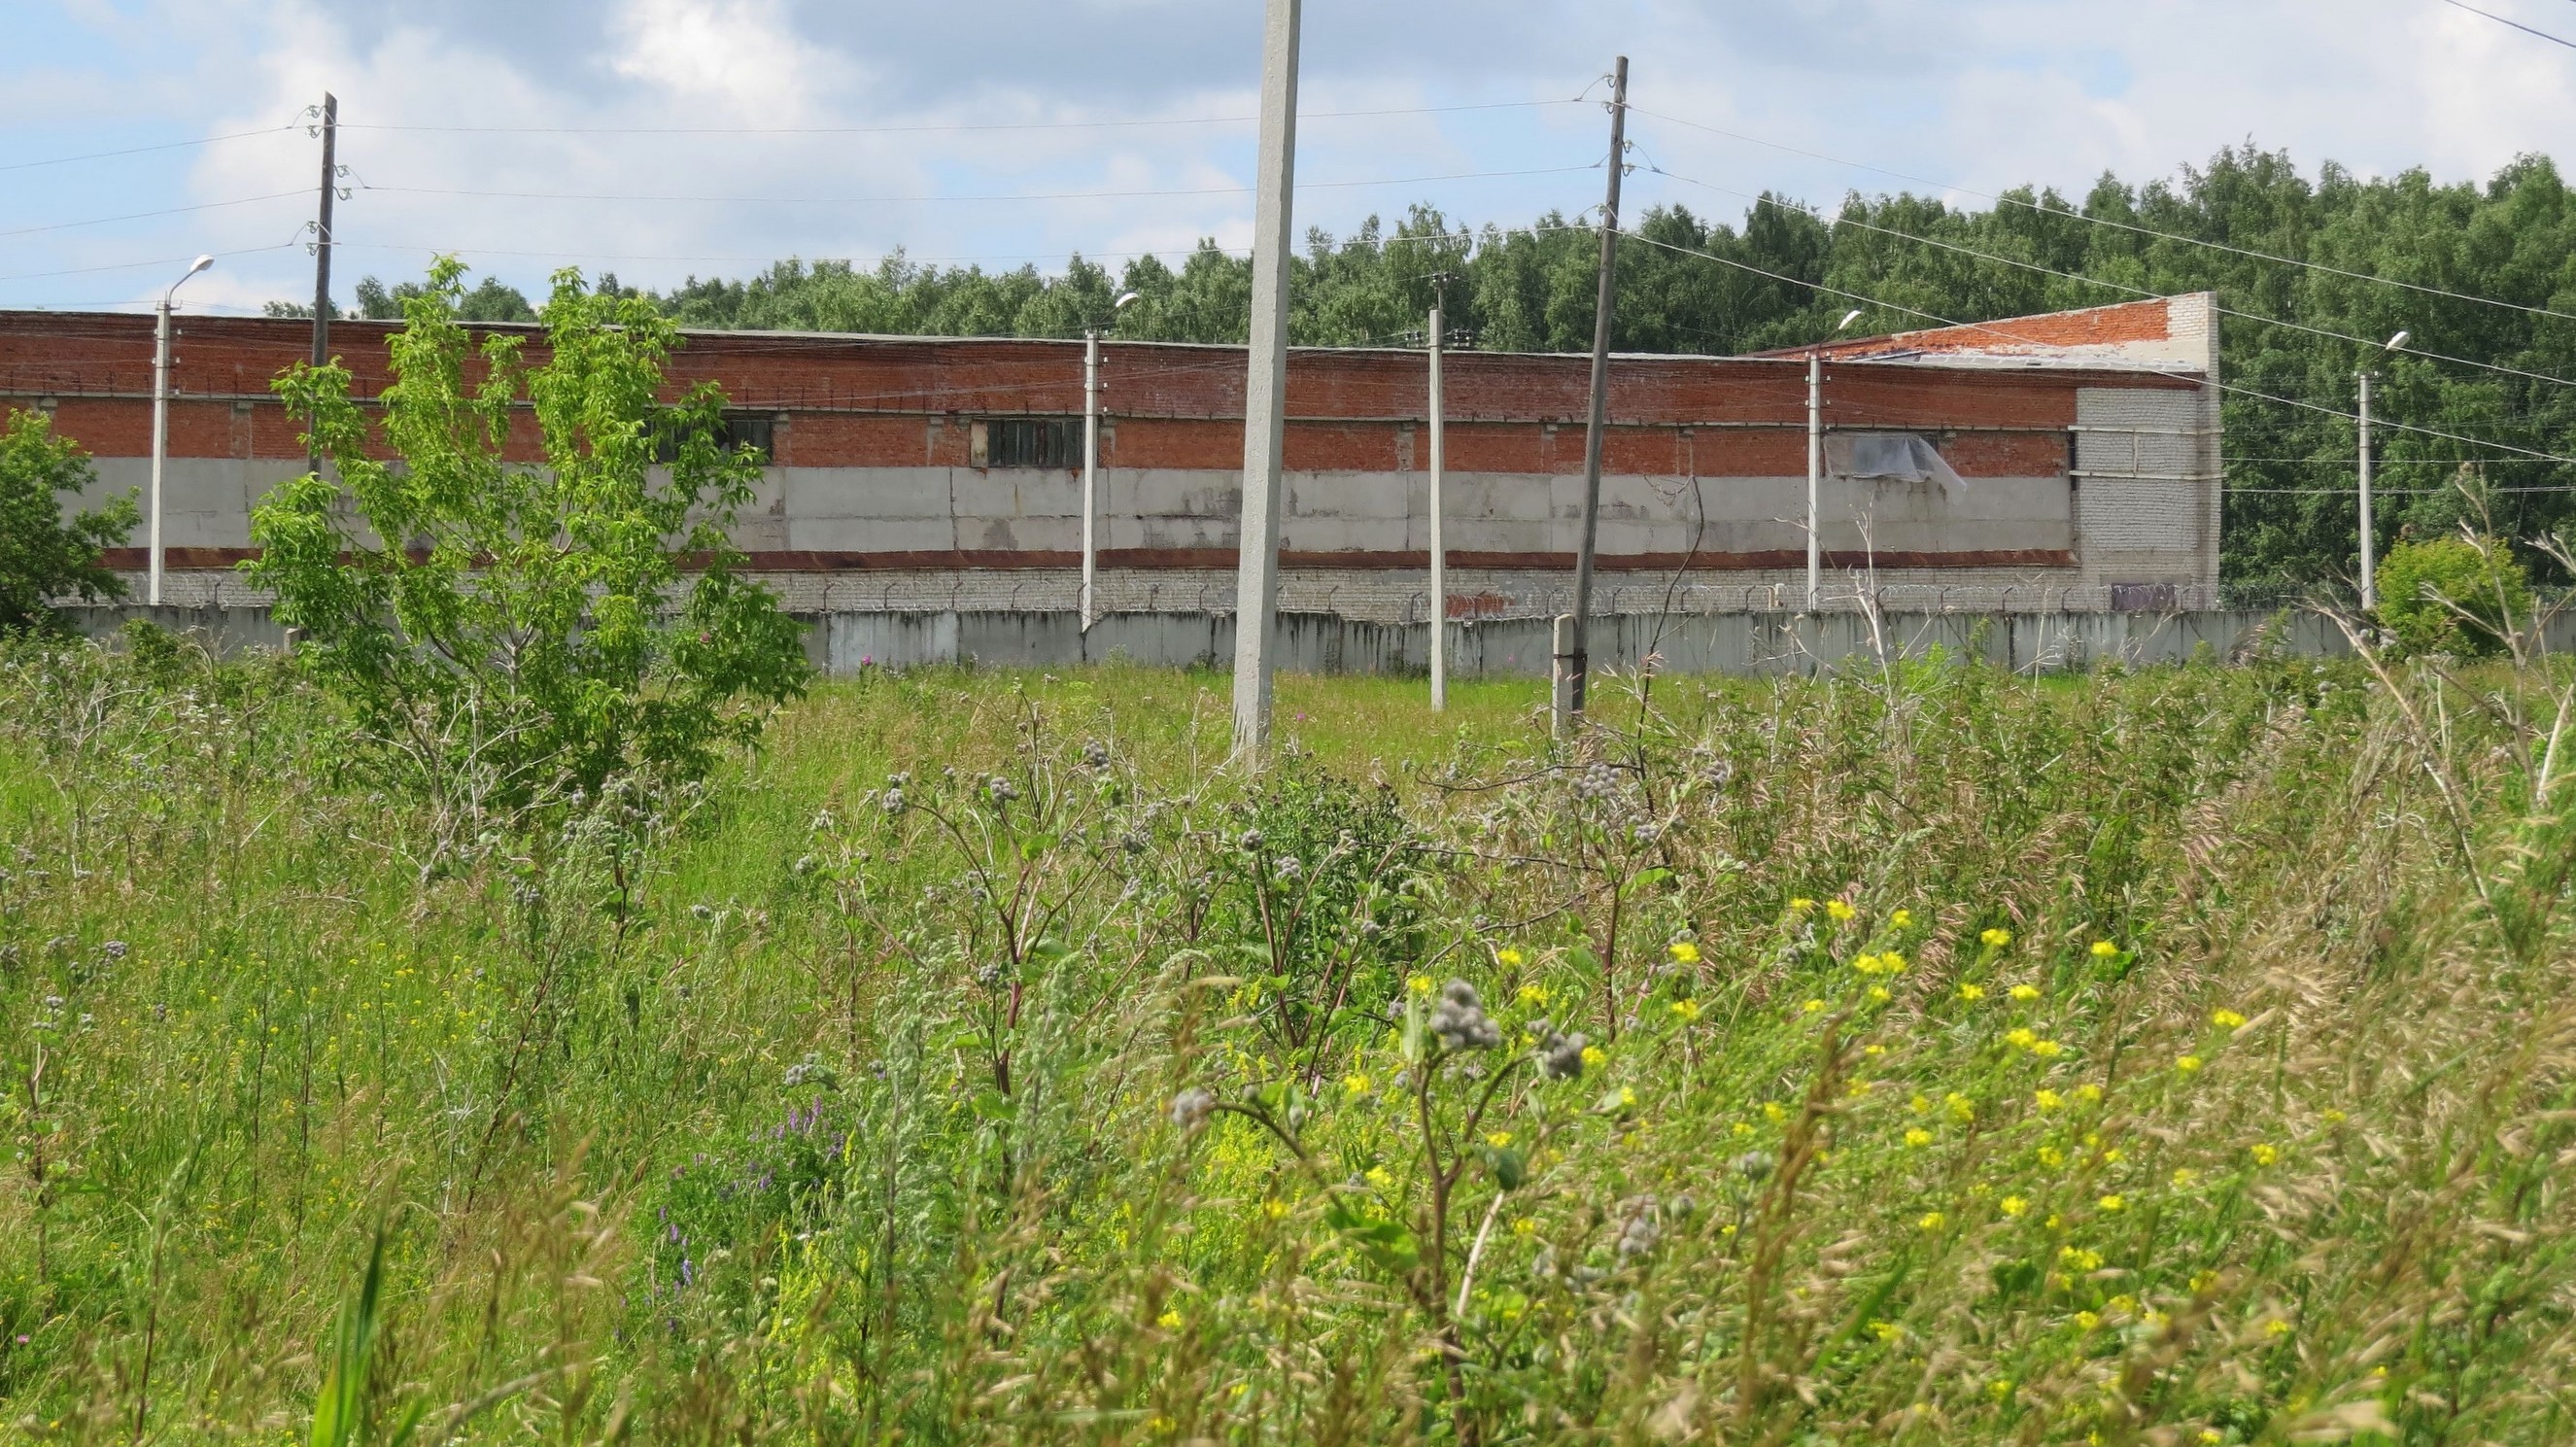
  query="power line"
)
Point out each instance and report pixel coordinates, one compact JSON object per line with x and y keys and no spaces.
{"x":2516,"y":24}
{"x":935,"y":129}
{"x":2073,"y":215}
{"x":998,"y":197}
{"x":139,"y":150}
{"x":141,"y":265}
{"x":2177,"y":376}
{"x":140,"y":215}
{"x":2116,"y":286}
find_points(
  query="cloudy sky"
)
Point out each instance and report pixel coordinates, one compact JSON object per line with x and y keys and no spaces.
{"x":665,"y":138}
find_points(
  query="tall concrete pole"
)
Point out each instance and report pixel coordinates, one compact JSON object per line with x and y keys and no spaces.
{"x":160,"y":439}
{"x":2369,"y":583}
{"x":1439,"y":545}
{"x":1572,"y":668}
{"x":1090,"y":468}
{"x":322,"y":245}
{"x":1815,"y":473}
{"x":1265,"y":393}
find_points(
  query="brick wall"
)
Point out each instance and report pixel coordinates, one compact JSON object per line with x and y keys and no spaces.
{"x":2076,"y":477}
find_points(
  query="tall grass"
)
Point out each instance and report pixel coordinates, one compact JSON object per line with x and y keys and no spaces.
{"x":1931,"y":1056}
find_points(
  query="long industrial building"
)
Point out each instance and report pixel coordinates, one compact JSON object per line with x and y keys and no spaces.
{"x":2067,"y":462}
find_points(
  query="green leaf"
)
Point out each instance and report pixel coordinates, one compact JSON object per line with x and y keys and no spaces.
{"x":1385,"y":1243}
{"x":1506,"y":1164}
{"x":992,"y":1104}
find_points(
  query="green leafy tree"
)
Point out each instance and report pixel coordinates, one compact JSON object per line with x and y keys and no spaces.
{"x":2453,"y":595}
{"x":522,"y":627}
{"x":44,"y":555}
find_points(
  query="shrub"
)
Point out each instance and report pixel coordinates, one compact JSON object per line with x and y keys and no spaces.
{"x":2452,"y":595}
{"x":45,"y":556}
{"x":503,"y":630}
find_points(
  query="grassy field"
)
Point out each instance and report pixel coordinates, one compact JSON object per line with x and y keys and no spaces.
{"x":2176,"y":1057}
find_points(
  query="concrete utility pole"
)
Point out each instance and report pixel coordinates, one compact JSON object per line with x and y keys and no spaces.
{"x":322,"y":245}
{"x":1573,"y":662}
{"x":2369,"y":583}
{"x":1090,"y":468}
{"x":1091,"y":460}
{"x":1815,"y":474}
{"x":1265,"y":393}
{"x":161,"y":419}
{"x":1439,"y":545}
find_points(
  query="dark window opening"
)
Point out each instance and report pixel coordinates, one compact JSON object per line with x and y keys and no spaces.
{"x":1033,"y":442}
{"x":755,"y":430}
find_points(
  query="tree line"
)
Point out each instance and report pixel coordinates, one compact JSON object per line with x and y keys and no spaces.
{"x":1773,"y":281}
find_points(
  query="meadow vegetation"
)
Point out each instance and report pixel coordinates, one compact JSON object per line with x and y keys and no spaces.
{"x":1928,"y":1055}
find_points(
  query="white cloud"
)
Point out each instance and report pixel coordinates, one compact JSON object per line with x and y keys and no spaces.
{"x":739,"y":58}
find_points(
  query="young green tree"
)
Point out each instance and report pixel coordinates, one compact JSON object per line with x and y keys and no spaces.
{"x":45,"y":556}
{"x":527,"y":627}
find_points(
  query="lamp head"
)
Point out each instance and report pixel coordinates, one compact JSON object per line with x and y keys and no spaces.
{"x":200,"y":264}
{"x":1849,"y":317}
{"x":2398,"y":341}
{"x":1124,"y":297}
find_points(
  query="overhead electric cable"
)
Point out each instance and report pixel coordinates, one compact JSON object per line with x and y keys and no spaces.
{"x":2114,"y":285}
{"x":165,"y":211}
{"x":2149,"y":371}
{"x":140,"y":265}
{"x":139,"y":150}
{"x":2516,"y":24}
{"x":1140,"y":122}
{"x":2074,"y":215}
{"x":996,"y":197}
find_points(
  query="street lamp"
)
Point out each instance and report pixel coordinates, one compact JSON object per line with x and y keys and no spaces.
{"x":1816,"y":454}
{"x":1091,"y":457}
{"x":161,"y":416}
{"x":2369,"y":542}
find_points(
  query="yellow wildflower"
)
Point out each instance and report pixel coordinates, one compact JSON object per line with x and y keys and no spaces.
{"x":1686,"y":1010}
{"x":1274,"y":1209}
{"x":1839,"y":910}
{"x":2051,"y":1157}
{"x":2184,"y":1175}
{"x":2104,"y":949}
{"x":2021,"y":1037}
{"x":2025,"y":992}
{"x":1996,"y":938}
{"x":1866,"y":964}
{"x":1683,"y":952}
{"x":1802,"y":905}
{"x":1524,"y":1226}
{"x":1919,"y":1104}
{"x":2113,"y":1203}
{"x":1972,"y":992}
{"x":1931,"y":1221}
{"x":2087,"y":1320}
{"x":1902,"y":919}
{"x":1962,"y":1109}
{"x":2277,"y":1327}
{"x":1918,"y":1137}
{"x":2186,"y":1063}
{"x":2048,"y":1099}
{"x":1168,"y":1320}
{"x":1812,"y":1006}
{"x":2046,"y":1049}
{"x":1594,"y":1057}
{"x":2226,"y":1019}
{"x":1498,"y":1138}
{"x":1355,"y":1084}
{"x":2088,"y":1092}
{"x":1873,"y":1050}
{"x":1774,"y":1111}
{"x":1878,"y":994}
{"x":1533,"y":994}
{"x":2264,"y":1155}
{"x":1627,"y":1096}
{"x":2012,"y":1205}
{"x":2079,"y":1258}
{"x":1507,"y":956}
{"x":1743,"y":1127}
{"x":2333,"y":1117}
{"x":1891,"y":962}
{"x":2211,"y":1436}
{"x":1377,"y":1176}
{"x":1419,"y":984}
{"x":1999,"y":1388}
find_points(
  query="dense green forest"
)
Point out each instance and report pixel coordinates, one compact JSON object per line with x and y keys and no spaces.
{"x":2505,"y":249}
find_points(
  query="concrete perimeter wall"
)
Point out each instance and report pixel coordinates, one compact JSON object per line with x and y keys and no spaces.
{"x":845,"y":643}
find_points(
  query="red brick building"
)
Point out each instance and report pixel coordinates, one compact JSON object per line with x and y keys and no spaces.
{"x":2067,"y":461}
